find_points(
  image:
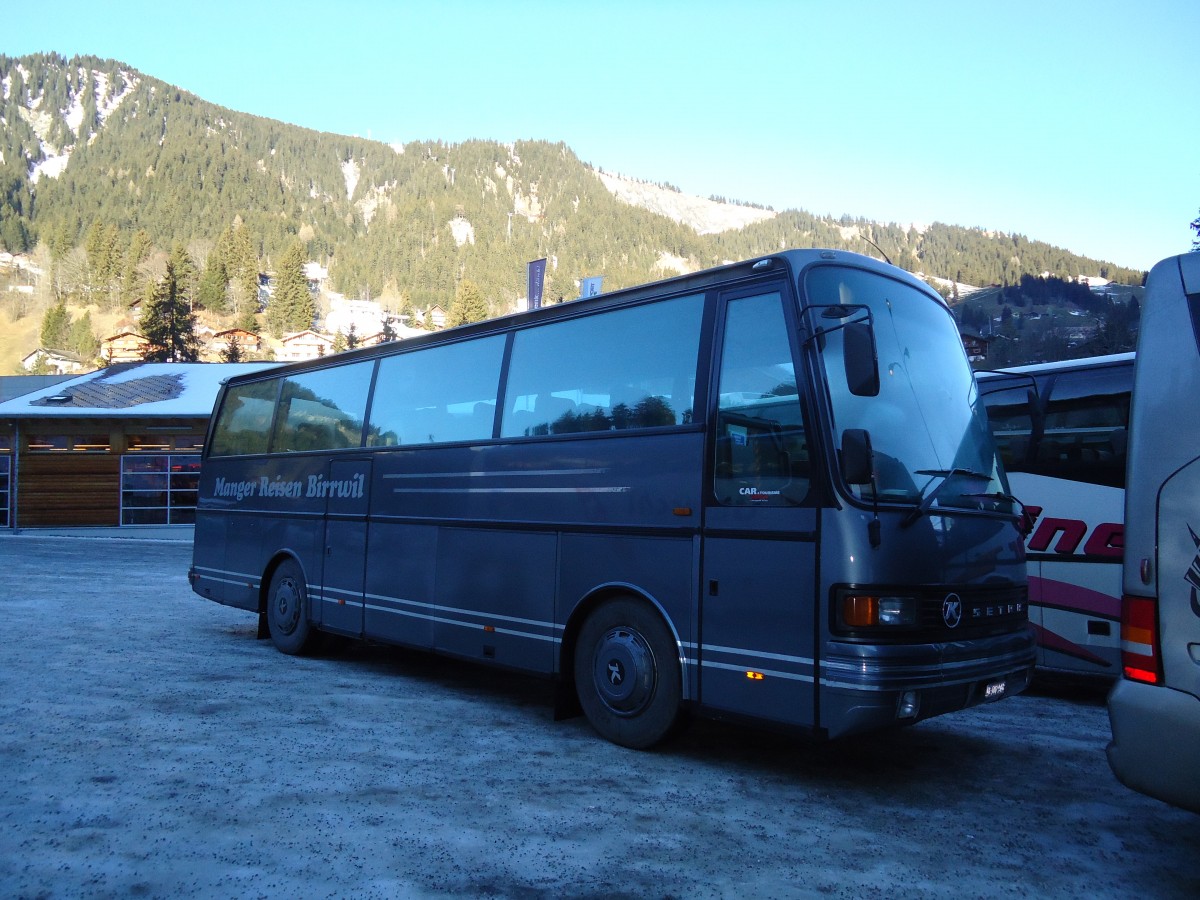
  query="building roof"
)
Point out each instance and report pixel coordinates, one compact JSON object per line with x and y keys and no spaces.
{"x":132,"y":390}
{"x":19,"y":385}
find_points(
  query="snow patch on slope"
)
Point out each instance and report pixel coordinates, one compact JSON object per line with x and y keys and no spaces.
{"x":351,"y":173}
{"x":463,"y":231}
{"x":703,"y":216}
{"x":54,"y":158}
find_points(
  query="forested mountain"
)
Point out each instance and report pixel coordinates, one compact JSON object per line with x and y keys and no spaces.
{"x":106,"y":165}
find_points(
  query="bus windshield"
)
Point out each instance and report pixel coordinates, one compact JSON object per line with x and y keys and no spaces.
{"x":928,"y":426}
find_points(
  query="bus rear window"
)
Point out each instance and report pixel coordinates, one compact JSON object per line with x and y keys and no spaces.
{"x":323,"y":410}
{"x":244,"y":422}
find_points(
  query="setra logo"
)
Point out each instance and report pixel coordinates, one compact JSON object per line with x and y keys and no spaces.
{"x":952,"y":610}
{"x":616,"y":673}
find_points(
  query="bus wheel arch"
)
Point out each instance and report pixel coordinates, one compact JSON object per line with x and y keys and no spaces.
{"x":622,"y":655}
{"x":284,"y":605}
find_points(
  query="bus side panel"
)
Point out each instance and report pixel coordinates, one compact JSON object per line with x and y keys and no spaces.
{"x":496,"y":590}
{"x":757,"y":649}
{"x":208,"y":556}
{"x":660,"y":568}
{"x":276,"y":511}
{"x":1074,"y":572}
{"x":519,"y":498}
{"x":399,"y":583}
{"x":1179,"y":582}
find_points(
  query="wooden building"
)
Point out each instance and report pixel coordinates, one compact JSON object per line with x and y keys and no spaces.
{"x":128,"y":346}
{"x":307,"y":344}
{"x":120,"y":446}
{"x":58,"y":362}
{"x":220,"y":342}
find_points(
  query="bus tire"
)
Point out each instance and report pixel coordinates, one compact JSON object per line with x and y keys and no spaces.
{"x":627,"y":674}
{"x":287,"y":611}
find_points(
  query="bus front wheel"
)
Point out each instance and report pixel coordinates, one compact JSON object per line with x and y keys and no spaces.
{"x":287,"y":610}
{"x":627,"y":674}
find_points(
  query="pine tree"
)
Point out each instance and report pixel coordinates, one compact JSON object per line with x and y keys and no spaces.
{"x":167,"y":321}
{"x":468,"y":306}
{"x":233,"y":350}
{"x":291,"y":307}
{"x":236,"y":247}
{"x":247,"y":321}
{"x":139,"y":249}
{"x":406,"y":313}
{"x":56,"y":327}
{"x":1196,"y":228}
{"x":82,"y":339}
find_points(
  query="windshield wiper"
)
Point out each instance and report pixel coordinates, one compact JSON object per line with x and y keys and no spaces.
{"x":1026,"y":525}
{"x":926,"y":500}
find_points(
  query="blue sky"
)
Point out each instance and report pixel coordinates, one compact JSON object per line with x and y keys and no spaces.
{"x":1076,"y":123}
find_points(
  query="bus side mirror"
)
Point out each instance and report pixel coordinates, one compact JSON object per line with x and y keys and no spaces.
{"x":858,"y":459}
{"x":860,"y":360}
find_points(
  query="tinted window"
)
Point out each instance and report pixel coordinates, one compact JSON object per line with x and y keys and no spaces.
{"x":244,"y":422}
{"x":323,"y":410}
{"x":628,"y":368}
{"x":1085,"y":432}
{"x":441,"y":394}
{"x":1010,"y":413}
{"x":761,"y":451}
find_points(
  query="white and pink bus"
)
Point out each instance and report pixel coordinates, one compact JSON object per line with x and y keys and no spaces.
{"x":1061,"y":429}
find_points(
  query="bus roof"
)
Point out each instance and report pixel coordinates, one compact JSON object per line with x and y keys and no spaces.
{"x":1060,"y":365}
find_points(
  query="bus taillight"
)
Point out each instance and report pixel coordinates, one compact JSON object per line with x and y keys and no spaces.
{"x":1140,"y":655}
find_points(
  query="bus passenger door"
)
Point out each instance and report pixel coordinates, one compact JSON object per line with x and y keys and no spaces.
{"x":347,"y":495}
{"x":757,"y":612}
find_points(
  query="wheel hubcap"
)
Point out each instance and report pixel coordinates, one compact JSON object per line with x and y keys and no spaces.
{"x":286,"y":606}
{"x":623,"y":671}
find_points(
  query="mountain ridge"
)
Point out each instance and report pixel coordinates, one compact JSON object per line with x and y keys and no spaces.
{"x":89,"y":141}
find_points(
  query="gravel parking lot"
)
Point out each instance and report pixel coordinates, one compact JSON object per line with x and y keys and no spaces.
{"x":152,"y":746}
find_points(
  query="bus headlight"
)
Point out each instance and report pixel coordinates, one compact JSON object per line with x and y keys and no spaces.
{"x":875,"y":611}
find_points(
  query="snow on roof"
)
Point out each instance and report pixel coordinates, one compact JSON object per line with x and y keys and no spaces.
{"x":132,"y":390}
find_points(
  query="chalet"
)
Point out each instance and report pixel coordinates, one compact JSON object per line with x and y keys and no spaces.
{"x":56,"y":362}
{"x":434,"y":317}
{"x":128,"y":346}
{"x":304,"y":345}
{"x":975,"y":344}
{"x":247,"y":341}
{"x":119,"y":446}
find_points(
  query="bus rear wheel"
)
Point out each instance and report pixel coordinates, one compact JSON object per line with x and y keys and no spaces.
{"x":287,"y":611}
{"x":627,"y":674}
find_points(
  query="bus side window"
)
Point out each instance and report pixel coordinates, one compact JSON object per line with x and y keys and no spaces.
{"x":1085,"y":432}
{"x":613,"y":371}
{"x":761,"y":445}
{"x":437,"y":395}
{"x":1011,"y":421}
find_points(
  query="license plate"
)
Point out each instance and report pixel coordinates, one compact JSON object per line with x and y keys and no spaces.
{"x":994,"y":690}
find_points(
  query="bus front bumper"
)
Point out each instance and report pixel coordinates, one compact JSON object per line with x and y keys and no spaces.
{"x":869,"y":687}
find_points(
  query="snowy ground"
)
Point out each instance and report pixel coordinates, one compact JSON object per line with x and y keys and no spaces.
{"x":151,"y":746}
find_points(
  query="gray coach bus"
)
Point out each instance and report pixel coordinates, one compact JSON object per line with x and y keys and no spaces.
{"x":764,"y":491}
